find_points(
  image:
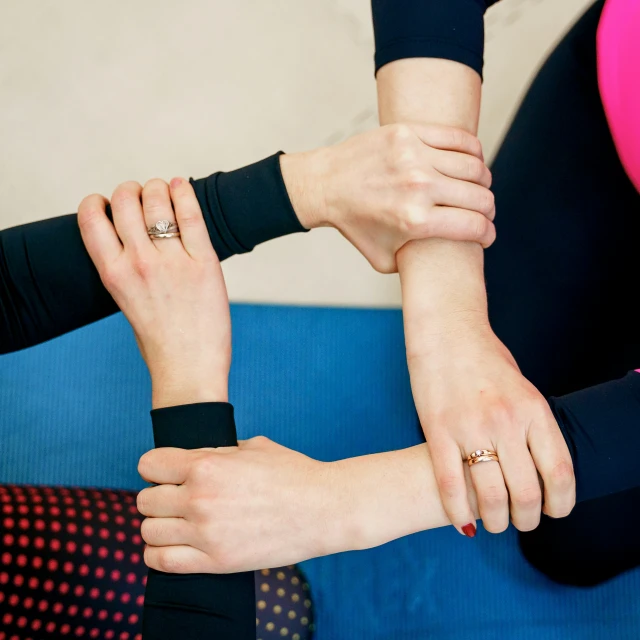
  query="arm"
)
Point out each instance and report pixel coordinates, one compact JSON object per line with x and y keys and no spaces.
{"x":262,"y":504}
{"x":49,"y":285}
{"x":352,"y":186}
{"x":173,"y":293}
{"x":468,"y":390}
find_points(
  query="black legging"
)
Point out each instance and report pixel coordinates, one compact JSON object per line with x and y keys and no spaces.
{"x":562,"y":278}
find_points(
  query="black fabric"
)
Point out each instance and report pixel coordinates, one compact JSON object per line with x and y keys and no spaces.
{"x":451,"y":29}
{"x":198,"y":606}
{"x":601,"y":425}
{"x":49,"y":286}
{"x":562,"y":284}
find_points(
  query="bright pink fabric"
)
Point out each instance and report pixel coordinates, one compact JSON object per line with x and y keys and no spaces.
{"x":618,"y":46}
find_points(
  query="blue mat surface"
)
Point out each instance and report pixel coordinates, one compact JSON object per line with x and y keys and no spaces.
{"x":331,"y":383}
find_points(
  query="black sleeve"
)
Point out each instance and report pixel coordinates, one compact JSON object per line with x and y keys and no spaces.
{"x":601,"y":425}
{"x":198,"y":606}
{"x":49,"y":286}
{"x":450,"y":29}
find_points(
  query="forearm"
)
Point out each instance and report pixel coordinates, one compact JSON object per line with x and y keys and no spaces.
{"x":49,"y":286}
{"x":437,"y":275}
{"x":391,"y":495}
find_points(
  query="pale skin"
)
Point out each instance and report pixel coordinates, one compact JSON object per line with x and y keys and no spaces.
{"x":230,"y":509}
{"x":468,"y":389}
{"x":173,"y":293}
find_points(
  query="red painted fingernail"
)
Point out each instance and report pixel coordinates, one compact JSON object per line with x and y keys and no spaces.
{"x":469,"y":530}
{"x":176,"y":182}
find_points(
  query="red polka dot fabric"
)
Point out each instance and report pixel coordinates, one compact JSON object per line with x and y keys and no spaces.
{"x":71,"y":565}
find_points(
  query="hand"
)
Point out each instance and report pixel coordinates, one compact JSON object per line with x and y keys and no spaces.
{"x":398,"y":183}
{"x":471,"y":395}
{"x":171,"y":290}
{"x":238,"y":508}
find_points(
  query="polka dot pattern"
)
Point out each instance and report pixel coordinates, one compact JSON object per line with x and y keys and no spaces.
{"x":71,"y":566}
{"x":283,"y":605}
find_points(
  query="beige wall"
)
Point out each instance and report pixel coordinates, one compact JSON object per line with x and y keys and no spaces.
{"x":92,"y":94}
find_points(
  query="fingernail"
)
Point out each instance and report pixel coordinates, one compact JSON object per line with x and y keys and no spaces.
{"x":469,"y":530}
{"x":176,"y":182}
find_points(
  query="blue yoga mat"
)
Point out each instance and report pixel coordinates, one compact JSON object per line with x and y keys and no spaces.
{"x":331,"y":383}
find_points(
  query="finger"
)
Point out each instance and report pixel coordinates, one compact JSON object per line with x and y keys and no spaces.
{"x":97,"y":231}
{"x":450,"y":192}
{"x":177,"y":559}
{"x":553,"y":461}
{"x":449,"y":139}
{"x":462,"y":166}
{"x":166,"y":465}
{"x":449,"y":474}
{"x":157,"y":206}
{"x":163,"y":501}
{"x":193,"y":230}
{"x":127,"y":216}
{"x":165,"y":532}
{"x":521,"y":477}
{"x":493,"y":499}
{"x":456,"y":224}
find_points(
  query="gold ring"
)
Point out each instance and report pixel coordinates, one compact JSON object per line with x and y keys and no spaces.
{"x":482,"y":455}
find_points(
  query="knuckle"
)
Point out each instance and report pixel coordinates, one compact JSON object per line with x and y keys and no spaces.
{"x":561,"y":476}
{"x":203,"y":470}
{"x":493,"y":497}
{"x":475,"y":146}
{"x":456,"y":137}
{"x":415,"y":179}
{"x":475,"y":168}
{"x":414,"y":218}
{"x":399,"y":133}
{"x":489,"y":237}
{"x":449,"y":484}
{"x":261,"y":441}
{"x":169,"y":562}
{"x":142,"y":502}
{"x":486,"y":201}
{"x":144,"y":268}
{"x":111,"y":278}
{"x":528,"y":497}
{"x":190,"y":218}
{"x":201,"y":506}
{"x":482,"y":227}
{"x":146,"y":530}
{"x":144,"y":463}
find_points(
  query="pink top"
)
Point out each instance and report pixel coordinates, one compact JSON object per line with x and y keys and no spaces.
{"x":618,"y":48}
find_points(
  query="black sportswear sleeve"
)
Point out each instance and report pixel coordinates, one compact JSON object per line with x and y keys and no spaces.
{"x":49,"y":286}
{"x":198,"y":606}
{"x":450,"y":29}
{"x":601,"y":426}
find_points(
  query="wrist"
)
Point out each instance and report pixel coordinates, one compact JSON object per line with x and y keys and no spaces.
{"x":304,"y":176}
{"x":171,"y":391}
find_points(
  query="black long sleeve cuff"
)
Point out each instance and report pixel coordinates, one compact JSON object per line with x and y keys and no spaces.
{"x":198,"y":606}
{"x":453,"y":30}
{"x":601,"y":426}
{"x":49,"y":286}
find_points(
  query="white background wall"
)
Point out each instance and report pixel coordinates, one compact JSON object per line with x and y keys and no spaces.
{"x":93,"y":94}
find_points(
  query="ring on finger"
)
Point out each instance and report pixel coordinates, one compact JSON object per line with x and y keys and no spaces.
{"x":482,"y":455}
{"x":163,"y":229}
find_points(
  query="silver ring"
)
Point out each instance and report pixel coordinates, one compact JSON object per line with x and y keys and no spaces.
{"x":163,"y":229}
{"x":155,"y":236}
